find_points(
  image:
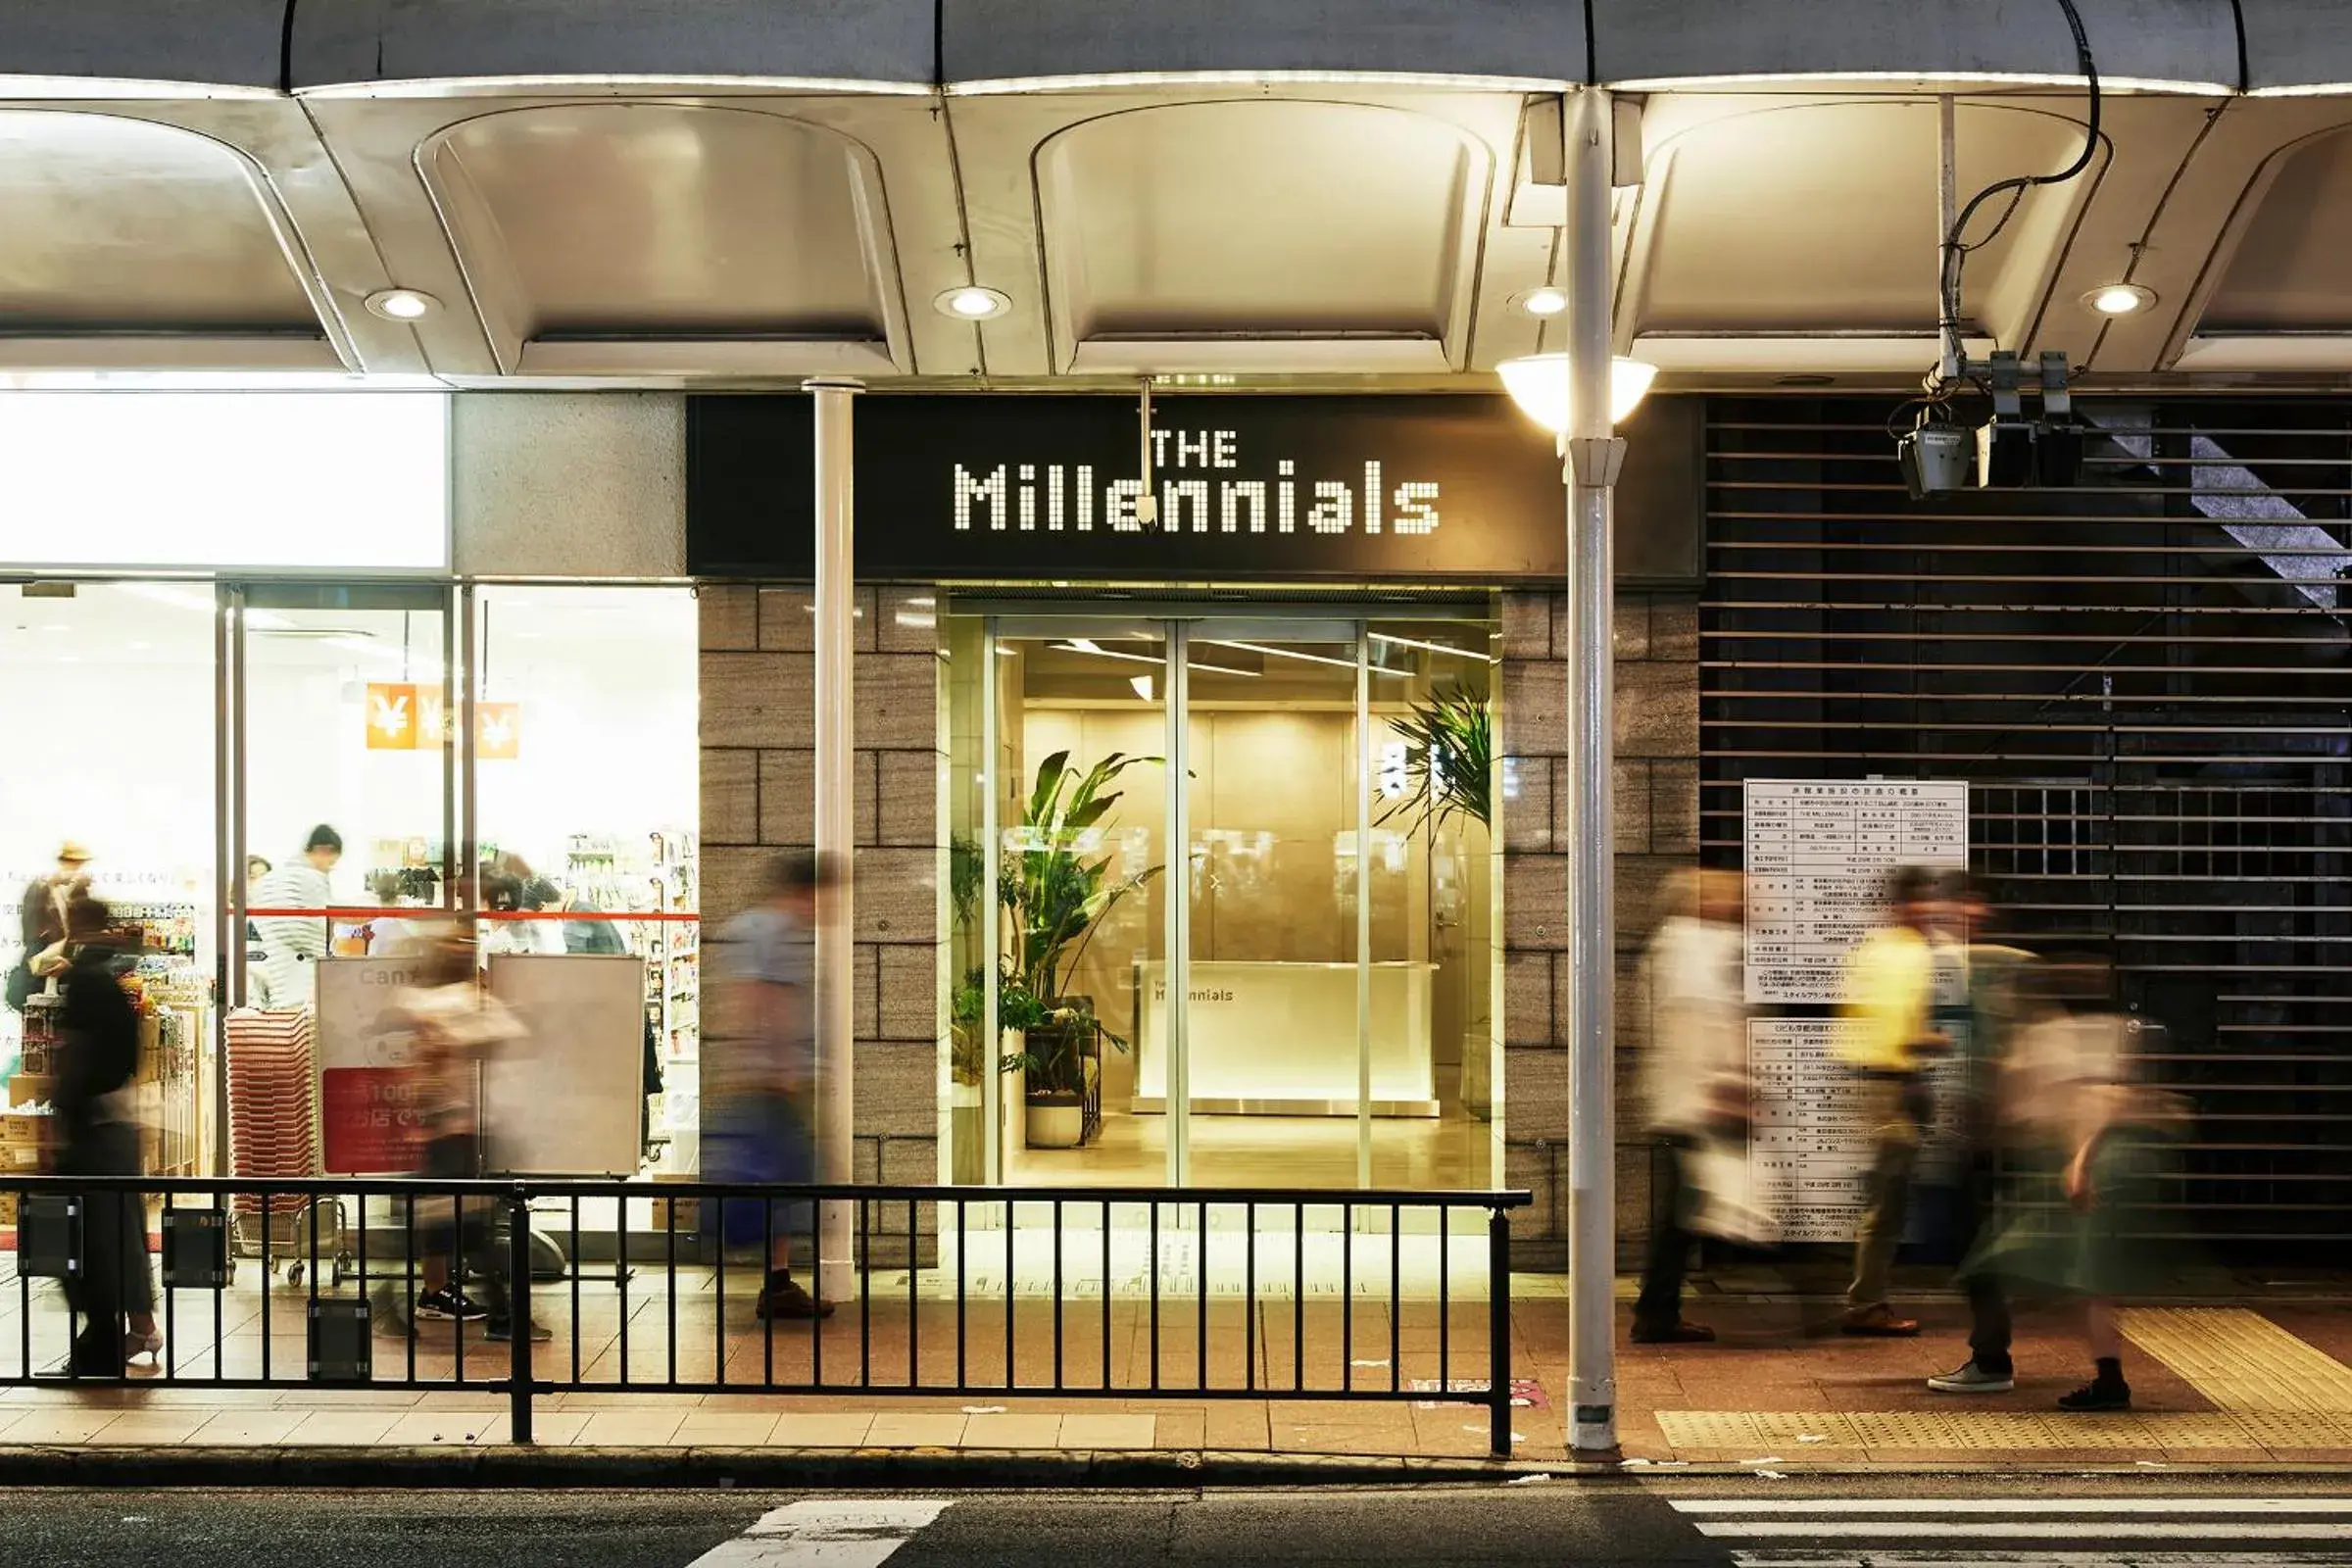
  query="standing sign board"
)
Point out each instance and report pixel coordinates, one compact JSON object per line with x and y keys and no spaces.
{"x":1818,"y":856}
{"x":565,"y":1099}
{"x":367,"y":1114}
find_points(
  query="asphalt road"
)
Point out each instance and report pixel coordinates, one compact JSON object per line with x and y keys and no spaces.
{"x":1750,"y":1524}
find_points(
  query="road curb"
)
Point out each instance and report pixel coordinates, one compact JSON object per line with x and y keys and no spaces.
{"x":941,"y":1469}
{"x":765,"y":1469}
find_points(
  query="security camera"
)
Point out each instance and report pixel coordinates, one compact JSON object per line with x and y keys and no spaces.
{"x":1934,"y":460}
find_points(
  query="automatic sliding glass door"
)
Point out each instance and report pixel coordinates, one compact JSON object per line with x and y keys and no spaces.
{"x":1277,"y":1027}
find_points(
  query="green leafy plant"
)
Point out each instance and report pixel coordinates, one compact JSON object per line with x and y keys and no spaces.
{"x":1450,"y":761}
{"x":1057,"y":885}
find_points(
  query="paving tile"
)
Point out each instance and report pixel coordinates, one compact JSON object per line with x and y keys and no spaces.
{"x":626,"y":1428}
{"x":38,"y":1427}
{"x":1008,"y":1430}
{"x":1104,"y":1431}
{"x":807,"y":1431}
{"x":342,"y":1428}
{"x":726,"y":1430}
{"x":162,"y":1428}
{"x":437,"y":1427}
{"x":897,"y":1430}
{"x":248,"y":1428}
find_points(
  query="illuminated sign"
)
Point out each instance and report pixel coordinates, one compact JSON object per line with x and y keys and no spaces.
{"x":1422,"y":489}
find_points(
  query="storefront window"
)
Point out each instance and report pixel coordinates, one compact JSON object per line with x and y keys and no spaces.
{"x":109,"y":709}
{"x":586,"y":796}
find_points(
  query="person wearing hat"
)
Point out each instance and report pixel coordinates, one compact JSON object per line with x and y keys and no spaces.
{"x":42,"y":915}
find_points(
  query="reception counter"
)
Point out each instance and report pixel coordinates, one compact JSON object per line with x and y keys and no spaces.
{"x":1280,"y":1039}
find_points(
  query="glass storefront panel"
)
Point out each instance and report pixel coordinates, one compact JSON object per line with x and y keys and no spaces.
{"x":1435,"y":884}
{"x":1082,"y":881}
{"x":347,"y":788}
{"x":110,"y":709}
{"x":1276,"y":1001}
{"x":585,"y":805}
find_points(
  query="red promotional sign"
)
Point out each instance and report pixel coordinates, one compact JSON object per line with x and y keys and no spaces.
{"x":368,"y":1120}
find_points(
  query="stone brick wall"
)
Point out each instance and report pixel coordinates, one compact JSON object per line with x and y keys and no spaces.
{"x":757,"y":670}
{"x":1655,"y":785}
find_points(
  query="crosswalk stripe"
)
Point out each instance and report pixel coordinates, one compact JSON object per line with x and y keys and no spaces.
{"x":2013,"y":1505}
{"x":827,"y":1532}
{"x":2020,"y":1530}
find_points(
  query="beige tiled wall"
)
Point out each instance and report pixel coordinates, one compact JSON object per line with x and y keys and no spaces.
{"x":1655,"y":785}
{"x":758,"y":669}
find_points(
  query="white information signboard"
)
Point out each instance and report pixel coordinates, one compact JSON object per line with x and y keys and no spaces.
{"x":564,"y":1099}
{"x":1818,"y":854}
{"x":1812,"y":1140}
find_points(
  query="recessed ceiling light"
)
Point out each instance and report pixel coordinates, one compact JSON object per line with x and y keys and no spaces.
{"x":402,"y":304}
{"x":2119,"y":299}
{"x":972,"y":302}
{"x":1540,"y":301}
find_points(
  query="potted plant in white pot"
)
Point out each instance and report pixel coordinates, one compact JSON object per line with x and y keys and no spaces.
{"x":1057,"y":884}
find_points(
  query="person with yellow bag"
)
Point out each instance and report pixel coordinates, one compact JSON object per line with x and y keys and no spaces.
{"x":1889,"y":1003}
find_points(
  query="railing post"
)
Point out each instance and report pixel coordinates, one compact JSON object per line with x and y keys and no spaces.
{"x":1499,"y":1331}
{"x":520,"y":1375}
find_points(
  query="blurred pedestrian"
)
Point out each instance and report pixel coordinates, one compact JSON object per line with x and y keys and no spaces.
{"x":1889,"y":1003}
{"x":759,"y":1073}
{"x":2004,"y":993}
{"x":292,"y":942}
{"x":1695,"y":1085}
{"x":99,"y":1136}
{"x":2072,"y":1111}
{"x":41,"y":917}
{"x":458,"y":1027}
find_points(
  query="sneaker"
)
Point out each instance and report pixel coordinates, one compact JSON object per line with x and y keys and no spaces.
{"x":503,"y":1329}
{"x":448,"y":1305}
{"x":1973,"y":1379}
{"x":1681,"y":1332}
{"x":2098,"y":1394}
{"x":1879,"y":1323}
{"x":783,"y":1298}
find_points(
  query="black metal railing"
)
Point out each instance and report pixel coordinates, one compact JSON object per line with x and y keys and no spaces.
{"x":1063,"y":1292}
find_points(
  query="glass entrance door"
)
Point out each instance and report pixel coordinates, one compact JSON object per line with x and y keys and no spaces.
{"x":344,"y":758}
{"x":1234,"y":924}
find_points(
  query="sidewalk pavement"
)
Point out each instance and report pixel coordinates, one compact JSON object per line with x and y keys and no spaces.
{"x":2212,"y":1385}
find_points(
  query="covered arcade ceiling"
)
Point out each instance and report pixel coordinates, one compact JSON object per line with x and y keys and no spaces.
{"x":1343,"y":191}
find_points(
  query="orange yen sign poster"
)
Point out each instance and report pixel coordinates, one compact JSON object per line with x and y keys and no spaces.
{"x":409,"y":718}
{"x":391,"y":718}
{"x":496,"y":731}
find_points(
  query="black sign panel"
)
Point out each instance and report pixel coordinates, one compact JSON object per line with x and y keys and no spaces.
{"x":1422,"y":489}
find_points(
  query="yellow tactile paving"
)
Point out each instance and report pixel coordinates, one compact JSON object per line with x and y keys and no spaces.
{"x":2240,"y":1360}
{"x":1771,"y":1433}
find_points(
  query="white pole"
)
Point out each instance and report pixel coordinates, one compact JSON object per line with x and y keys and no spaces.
{"x":1947,"y":210}
{"x":836,"y":827}
{"x":1595,"y":456}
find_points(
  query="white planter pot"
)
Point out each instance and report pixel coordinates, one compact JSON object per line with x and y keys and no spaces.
{"x":1055,"y":1126}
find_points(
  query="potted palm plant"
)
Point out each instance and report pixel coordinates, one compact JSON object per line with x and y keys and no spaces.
{"x":1057,"y":883}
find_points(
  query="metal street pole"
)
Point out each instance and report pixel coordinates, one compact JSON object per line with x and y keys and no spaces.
{"x":834,"y":701}
{"x":1596,"y":455}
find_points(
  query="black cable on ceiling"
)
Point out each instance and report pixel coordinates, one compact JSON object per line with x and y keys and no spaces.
{"x":1955,"y":253}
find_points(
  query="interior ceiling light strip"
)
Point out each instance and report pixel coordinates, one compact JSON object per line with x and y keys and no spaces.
{"x":1083,"y":645}
{"x":454,"y":86}
{"x":1434,"y":647}
{"x":1311,"y":659}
